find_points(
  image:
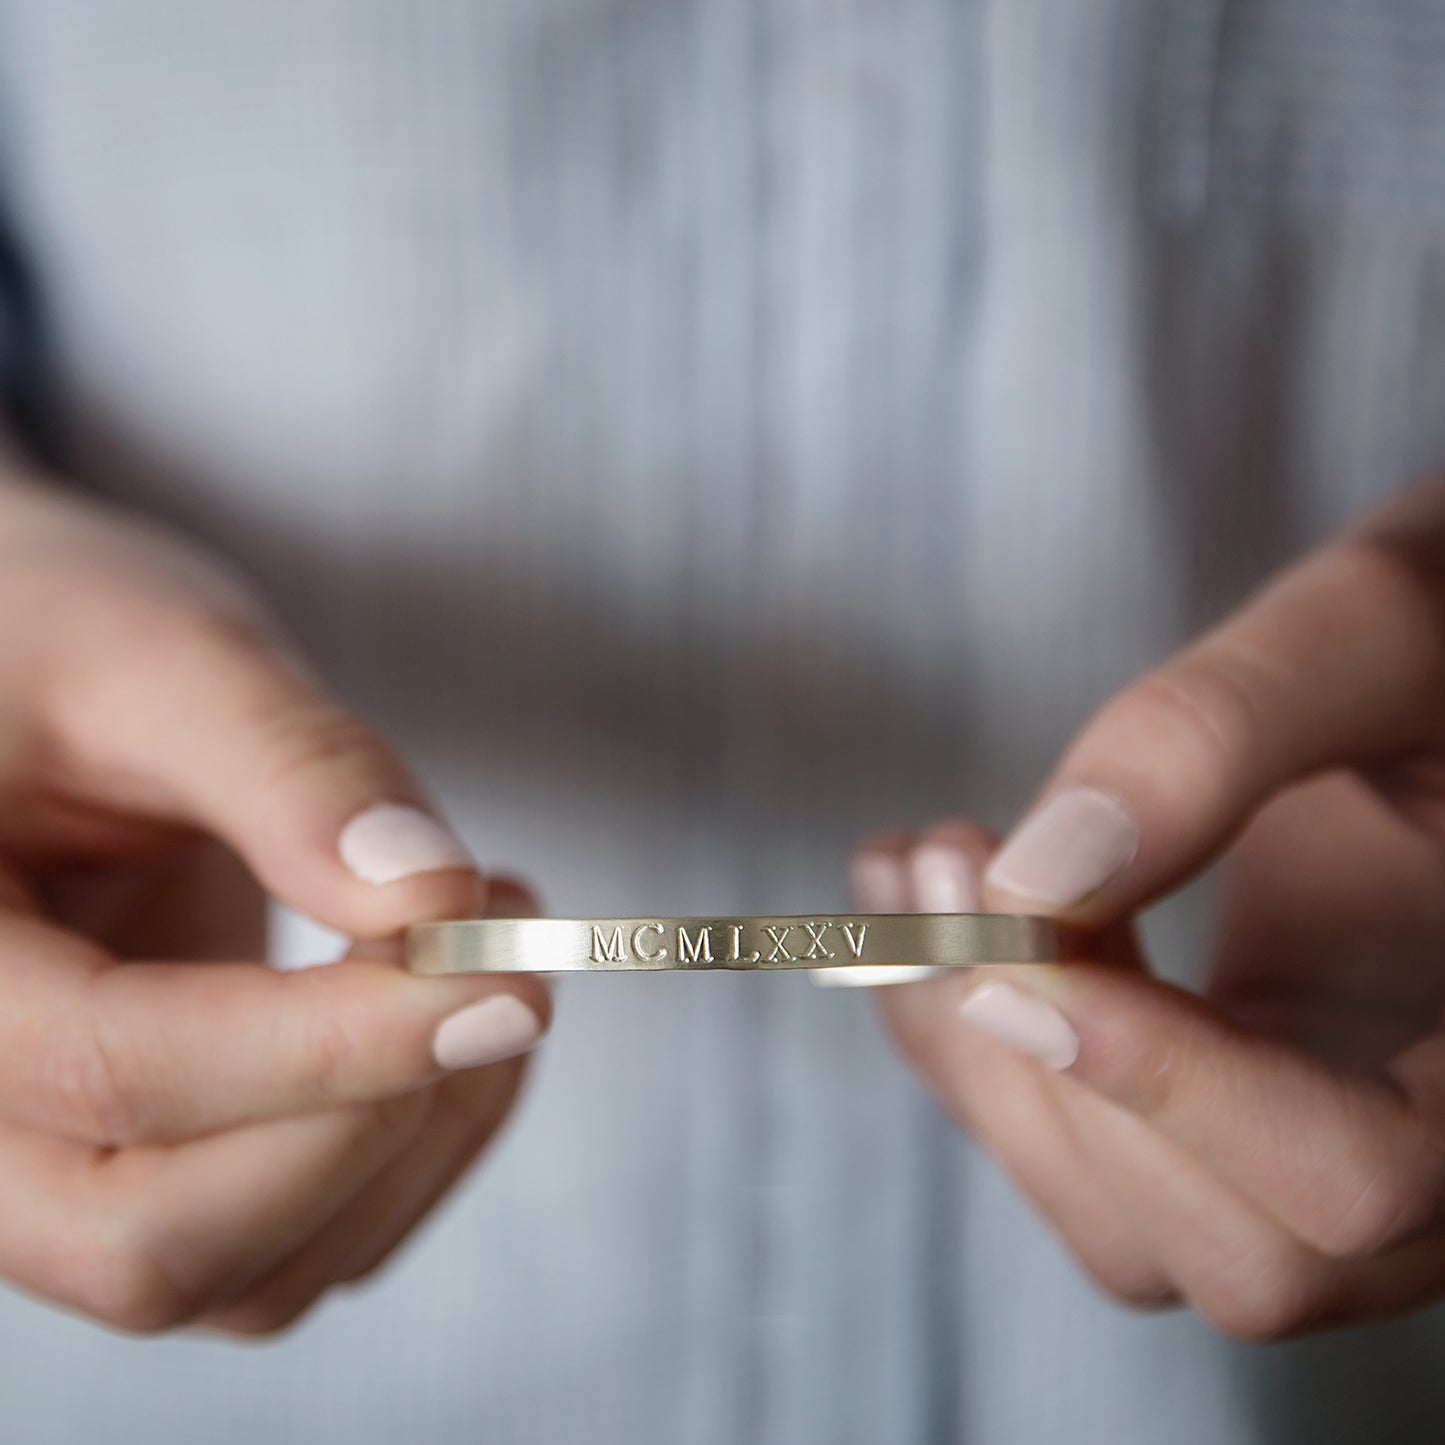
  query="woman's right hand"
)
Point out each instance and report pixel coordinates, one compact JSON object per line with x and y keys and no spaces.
{"x":187,"y":1141}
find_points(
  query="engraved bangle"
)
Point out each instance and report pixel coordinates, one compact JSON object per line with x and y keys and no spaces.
{"x":811,"y":941}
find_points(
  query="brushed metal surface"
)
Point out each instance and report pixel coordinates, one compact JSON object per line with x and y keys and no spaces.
{"x":761,"y":944}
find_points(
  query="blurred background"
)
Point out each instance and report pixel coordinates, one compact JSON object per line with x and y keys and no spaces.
{"x":703,"y":432}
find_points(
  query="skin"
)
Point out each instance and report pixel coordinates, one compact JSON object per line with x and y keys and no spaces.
{"x":187,"y":1137}
{"x":1271,"y":1150}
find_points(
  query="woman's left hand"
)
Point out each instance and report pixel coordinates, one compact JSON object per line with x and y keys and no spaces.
{"x":1273,"y":1152}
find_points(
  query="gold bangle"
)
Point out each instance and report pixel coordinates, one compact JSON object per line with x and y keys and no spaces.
{"x":811,"y":941}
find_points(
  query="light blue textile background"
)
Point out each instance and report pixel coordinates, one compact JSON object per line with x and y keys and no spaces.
{"x":703,"y":432}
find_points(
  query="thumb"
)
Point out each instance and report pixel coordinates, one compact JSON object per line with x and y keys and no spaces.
{"x":1338,"y":662}
{"x":216,"y":724}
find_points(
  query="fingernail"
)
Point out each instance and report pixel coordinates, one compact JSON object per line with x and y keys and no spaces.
{"x":1022,"y":1021}
{"x":944,"y":880}
{"x":1070,"y":847}
{"x":486,"y":1032}
{"x":392,"y":841}
{"x":879,"y":882}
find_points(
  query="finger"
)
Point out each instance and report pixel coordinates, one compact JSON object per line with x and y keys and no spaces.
{"x":213,"y":722}
{"x":463,"y":1115}
{"x":896,"y":873}
{"x":193,"y":900}
{"x":878,"y":875}
{"x":146,"y":1239}
{"x":1339,"y":662}
{"x":945,"y":868}
{"x":1011,"y":1108}
{"x":1148,"y":1222}
{"x":1234,"y":1263}
{"x":150,"y":1052}
{"x":1007,"y":1102}
{"x":1329,"y":933}
{"x":1351,"y":1165}
{"x":509,"y":897}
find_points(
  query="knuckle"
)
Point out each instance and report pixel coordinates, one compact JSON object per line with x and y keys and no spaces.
{"x":123,"y":1285}
{"x":193,"y":639}
{"x":1390,"y":1204}
{"x":315,"y":735}
{"x":216,"y":625}
{"x":96,"y":1089}
{"x":1271,"y":1295}
{"x":378,"y":1128}
{"x":340,"y":1046}
{"x":1206,"y":705}
{"x":1148,"y":1070}
{"x":1381,"y":576}
{"x":469,"y":1105}
{"x":394,"y":1120}
{"x":1263,"y":1319}
{"x":333,"y":1047}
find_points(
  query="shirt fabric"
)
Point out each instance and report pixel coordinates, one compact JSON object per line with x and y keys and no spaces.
{"x":703,"y":433}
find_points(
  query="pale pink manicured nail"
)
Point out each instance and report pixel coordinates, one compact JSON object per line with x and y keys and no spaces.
{"x":880,"y":883}
{"x":1022,"y":1021}
{"x":486,"y":1032}
{"x":1071,"y":846}
{"x":392,"y":841}
{"x":944,"y":880}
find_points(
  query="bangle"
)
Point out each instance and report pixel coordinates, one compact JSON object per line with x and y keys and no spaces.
{"x":812,"y":941}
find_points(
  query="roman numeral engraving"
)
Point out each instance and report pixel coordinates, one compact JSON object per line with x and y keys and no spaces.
{"x":637,"y":941}
{"x":735,"y":954}
{"x":608,"y":950}
{"x":816,"y":946}
{"x":691,"y":949}
{"x":648,"y":941}
{"x":779,"y":937}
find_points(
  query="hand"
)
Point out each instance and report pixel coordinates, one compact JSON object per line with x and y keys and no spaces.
{"x":212,"y":1142}
{"x":1272,"y":1153}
